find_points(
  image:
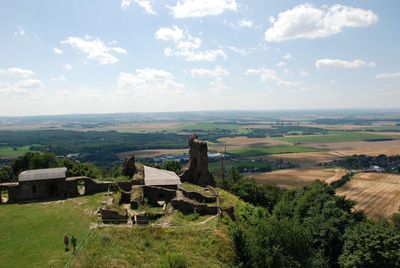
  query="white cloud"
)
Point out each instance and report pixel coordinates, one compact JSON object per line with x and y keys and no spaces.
{"x":17,"y":72}
{"x":148,"y":81}
{"x":217,"y":86}
{"x":67,"y":67}
{"x":287,"y":57}
{"x":388,"y":75}
{"x":20,"y":81}
{"x":307,"y":21}
{"x":335,"y":63}
{"x":270,"y":75}
{"x":201,"y":8}
{"x":57,"y":51}
{"x":59,"y":78}
{"x":169,"y":34}
{"x":145,"y":4}
{"x":206,"y":73}
{"x":95,"y":49}
{"x":245,"y":23}
{"x":238,"y":50}
{"x":187,"y":46}
{"x":20,"y":31}
{"x":303,"y":73}
{"x":281,"y":64}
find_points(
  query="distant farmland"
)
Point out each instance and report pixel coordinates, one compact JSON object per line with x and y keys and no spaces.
{"x":333,"y":136}
{"x":293,"y":178}
{"x":378,"y":194}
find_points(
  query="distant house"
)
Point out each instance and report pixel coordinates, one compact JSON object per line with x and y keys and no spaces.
{"x":49,"y":183}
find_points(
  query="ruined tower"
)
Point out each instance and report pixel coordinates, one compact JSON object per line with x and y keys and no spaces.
{"x":196,"y":171}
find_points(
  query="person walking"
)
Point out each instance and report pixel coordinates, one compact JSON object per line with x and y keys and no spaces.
{"x":73,"y":242}
{"x":66,"y":242}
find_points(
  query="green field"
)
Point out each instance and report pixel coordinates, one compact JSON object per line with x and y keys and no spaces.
{"x":7,"y":151}
{"x":281,"y":149}
{"x":333,"y":136}
{"x":228,"y":164}
{"x":213,"y":127}
{"x":32,"y":234}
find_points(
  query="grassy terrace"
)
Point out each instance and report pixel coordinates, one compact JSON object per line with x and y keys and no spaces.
{"x":333,"y":136}
{"x":281,"y":149}
{"x":32,"y":234}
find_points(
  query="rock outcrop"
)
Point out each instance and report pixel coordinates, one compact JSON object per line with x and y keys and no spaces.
{"x":196,"y":171}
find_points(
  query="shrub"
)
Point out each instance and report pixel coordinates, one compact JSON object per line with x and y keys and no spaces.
{"x":174,"y":260}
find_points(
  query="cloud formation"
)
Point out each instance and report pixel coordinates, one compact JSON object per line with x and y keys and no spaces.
{"x":145,"y":4}
{"x":388,"y":76}
{"x":207,"y":73}
{"x":202,"y":8}
{"x":148,"y":81}
{"x":21,"y":81}
{"x":187,"y":46}
{"x":95,"y":49}
{"x":309,"y":22}
{"x":335,"y":63}
{"x":270,"y":75}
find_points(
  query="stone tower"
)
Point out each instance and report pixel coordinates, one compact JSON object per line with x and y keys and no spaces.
{"x":196,"y":171}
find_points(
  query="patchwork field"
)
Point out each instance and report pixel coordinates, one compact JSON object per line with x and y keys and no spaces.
{"x":378,"y":194}
{"x":7,"y":152}
{"x":291,"y":178}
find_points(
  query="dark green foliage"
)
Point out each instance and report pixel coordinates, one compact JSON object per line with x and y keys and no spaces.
{"x":172,"y":165}
{"x":265,"y":195}
{"x":6,"y":174}
{"x":81,"y":169}
{"x":34,"y":161}
{"x":371,"y":245}
{"x":342,"y":181}
{"x":396,"y":219}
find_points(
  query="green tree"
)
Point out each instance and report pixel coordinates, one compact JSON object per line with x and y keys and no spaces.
{"x":172,"y":165}
{"x":371,"y":244}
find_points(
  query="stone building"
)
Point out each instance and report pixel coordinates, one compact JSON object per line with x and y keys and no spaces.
{"x":196,"y":171}
{"x":50,"y":183}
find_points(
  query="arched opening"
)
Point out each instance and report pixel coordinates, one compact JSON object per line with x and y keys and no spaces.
{"x":81,"y":187}
{"x":4,"y":196}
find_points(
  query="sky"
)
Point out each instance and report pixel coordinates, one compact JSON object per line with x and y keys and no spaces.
{"x":109,"y":56}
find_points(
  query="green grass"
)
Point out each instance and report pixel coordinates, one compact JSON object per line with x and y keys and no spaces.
{"x":32,"y":234}
{"x":203,"y":245}
{"x":333,"y":136}
{"x":280,"y":149}
{"x":7,"y":151}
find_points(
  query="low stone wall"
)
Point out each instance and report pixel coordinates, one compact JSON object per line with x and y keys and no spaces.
{"x":155,"y":194}
{"x":186,"y":206}
{"x":125,"y":185}
{"x":94,"y":186}
{"x":198,"y":197}
{"x":113,"y":216}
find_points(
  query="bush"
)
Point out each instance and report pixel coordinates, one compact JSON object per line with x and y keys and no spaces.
{"x":174,"y":260}
{"x":396,"y":219}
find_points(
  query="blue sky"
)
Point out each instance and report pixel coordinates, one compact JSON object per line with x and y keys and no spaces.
{"x":103,"y":56}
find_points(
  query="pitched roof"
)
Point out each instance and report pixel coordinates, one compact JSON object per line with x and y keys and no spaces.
{"x":155,"y":176}
{"x":42,"y":174}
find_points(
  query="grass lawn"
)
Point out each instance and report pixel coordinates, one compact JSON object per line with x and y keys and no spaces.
{"x":280,"y":149}
{"x":333,"y":136}
{"x":7,"y":151}
{"x":32,"y":234}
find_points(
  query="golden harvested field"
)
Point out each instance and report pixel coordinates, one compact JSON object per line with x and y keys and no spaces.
{"x":378,"y":194}
{"x":340,"y":149}
{"x":152,"y":153}
{"x":291,"y":178}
